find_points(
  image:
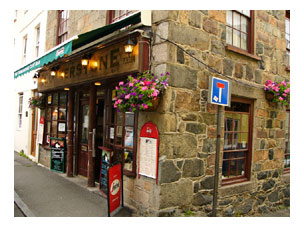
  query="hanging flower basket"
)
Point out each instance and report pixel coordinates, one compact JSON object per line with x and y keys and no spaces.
{"x":140,"y":92}
{"x":277,"y":92}
{"x":37,"y":102}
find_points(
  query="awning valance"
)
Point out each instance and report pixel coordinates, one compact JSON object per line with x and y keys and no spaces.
{"x":77,"y":42}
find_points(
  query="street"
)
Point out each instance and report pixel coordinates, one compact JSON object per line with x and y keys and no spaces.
{"x":47,"y":194}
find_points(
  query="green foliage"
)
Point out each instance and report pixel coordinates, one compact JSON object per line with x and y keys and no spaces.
{"x":189,"y":213}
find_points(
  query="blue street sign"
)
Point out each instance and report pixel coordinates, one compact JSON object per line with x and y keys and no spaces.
{"x":219,"y":91}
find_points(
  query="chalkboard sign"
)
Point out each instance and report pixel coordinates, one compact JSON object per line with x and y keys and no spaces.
{"x":57,"y":154}
{"x":105,"y":163}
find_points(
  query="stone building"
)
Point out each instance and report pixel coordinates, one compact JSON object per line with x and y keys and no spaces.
{"x":247,"y":48}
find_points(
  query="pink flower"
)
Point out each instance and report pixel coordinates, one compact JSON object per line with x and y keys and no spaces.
{"x":120,"y":83}
{"x":144,"y":88}
{"x":115,"y":105}
{"x":145,"y":106}
{"x":119,"y":101}
{"x":155,"y":93}
{"x":283,"y":83}
{"x":116,"y":87}
{"x":131,"y":84}
{"x":127,"y":96}
{"x":147,"y":83}
{"x":287,"y":90}
{"x":281,"y":98}
{"x":133,"y":105}
{"x":276,"y":89}
{"x":284,"y":94}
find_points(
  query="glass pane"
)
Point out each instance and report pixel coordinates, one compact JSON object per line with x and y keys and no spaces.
{"x":225,"y":169}
{"x":287,"y":26}
{"x":235,"y":140}
{"x":243,"y":142}
{"x":236,"y":38}
{"x":244,"y":127}
{"x":54,"y":128}
{"x":119,"y":135}
{"x":55,"y":99}
{"x":246,"y":12}
{"x":119,"y":118}
{"x":287,"y":161}
{"x":63,"y":99}
{"x":48,"y":130}
{"x":48,"y":114}
{"x":236,"y":21}
{"x":236,"y":122}
{"x":228,"y":124}
{"x":85,"y":124}
{"x":62,"y":113}
{"x":244,"y":25}
{"x":228,"y":141}
{"x":54,"y":113}
{"x":229,"y":35}
{"x":229,"y":17}
{"x":129,"y":136}
{"x":244,"y":41}
{"x":129,"y":118}
{"x":128,"y":159}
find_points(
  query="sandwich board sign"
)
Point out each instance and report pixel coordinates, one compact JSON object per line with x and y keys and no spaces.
{"x":219,"y":91}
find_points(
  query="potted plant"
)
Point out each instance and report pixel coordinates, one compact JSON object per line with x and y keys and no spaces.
{"x":37,"y":102}
{"x":278,"y":92}
{"x":140,"y":92}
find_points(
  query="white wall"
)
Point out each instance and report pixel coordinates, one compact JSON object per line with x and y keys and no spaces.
{"x":26,"y":24}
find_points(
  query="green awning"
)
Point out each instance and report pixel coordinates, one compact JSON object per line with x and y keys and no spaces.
{"x":82,"y":40}
{"x":53,"y":55}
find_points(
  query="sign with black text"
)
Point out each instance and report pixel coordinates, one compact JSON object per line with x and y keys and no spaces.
{"x":57,"y":155}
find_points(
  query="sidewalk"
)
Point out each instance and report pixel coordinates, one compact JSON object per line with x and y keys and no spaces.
{"x":40,"y":192}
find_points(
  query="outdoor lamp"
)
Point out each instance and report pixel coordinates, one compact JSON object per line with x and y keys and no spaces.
{"x":85,"y":60}
{"x":129,"y":46}
{"x":97,"y":83}
{"x":35,"y":77}
{"x":53,"y":71}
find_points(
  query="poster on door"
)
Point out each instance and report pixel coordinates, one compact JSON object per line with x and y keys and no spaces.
{"x":40,"y":130}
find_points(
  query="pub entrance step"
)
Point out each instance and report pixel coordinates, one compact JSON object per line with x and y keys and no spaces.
{"x":62,"y":196}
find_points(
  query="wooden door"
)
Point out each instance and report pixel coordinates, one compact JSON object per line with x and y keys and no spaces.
{"x":34,"y":131}
{"x":83,"y":138}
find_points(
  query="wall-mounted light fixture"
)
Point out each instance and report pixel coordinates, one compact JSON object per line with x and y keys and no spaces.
{"x":66,"y":89}
{"x":130,"y":45}
{"x":35,"y":77}
{"x":62,"y":74}
{"x":43,"y":80}
{"x":97,"y":83}
{"x":53,"y":71}
{"x":85,"y":59}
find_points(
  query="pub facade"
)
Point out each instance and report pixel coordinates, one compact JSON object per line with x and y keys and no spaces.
{"x":192,"y":46}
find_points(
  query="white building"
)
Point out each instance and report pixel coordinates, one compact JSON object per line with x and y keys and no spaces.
{"x":29,"y":45}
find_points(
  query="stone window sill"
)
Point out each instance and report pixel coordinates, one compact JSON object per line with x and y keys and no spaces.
{"x":229,"y":190}
{"x":242,"y":52}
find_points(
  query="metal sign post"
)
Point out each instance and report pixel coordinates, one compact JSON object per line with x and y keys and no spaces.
{"x":219,"y":94}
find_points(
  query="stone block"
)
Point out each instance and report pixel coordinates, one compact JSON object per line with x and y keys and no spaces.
{"x":259,"y":48}
{"x":183,"y":16}
{"x":262,"y":14}
{"x":187,"y":101}
{"x":275,"y":174}
{"x":168,"y":172}
{"x":262,"y":175}
{"x":268,"y":185}
{"x":269,"y":123}
{"x":196,"y":128}
{"x":258,"y":77}
{"x":193,"y":168}
{"x":218,"y":15}
{"x":260,"y":155}
{"x":202,"y":79}
{"x":238,"y":70}
{"x":210,"y":26}
{"x":176,"y":194}
{"x":160,"y":52}
{"x":261,"y":133}
{"x":228,"y":212}
{"x":209,"y":145}
{"x":217,"y":47}
{"x":208,"y":118}
{"x":228,"y":66}
{"x":249,"y":73}
{"x":207,"y":183}
{"x":201,"y":199}
{"x":212,"y":132}
{"x":178,"y":146}
{"x":180,"y":56}
{"x":280,"y":133}
{"x":195,"y":19}
{"x":274,"y":196}
{"x":182,"y":77}
{"x":164,"y":122}
{"x":188,"y":116}
{"x":244,"y":208}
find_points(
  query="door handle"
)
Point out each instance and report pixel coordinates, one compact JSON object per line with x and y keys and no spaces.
{"x":93,"y":143}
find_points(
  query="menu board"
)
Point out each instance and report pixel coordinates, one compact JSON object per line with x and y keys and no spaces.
{"x":148,"y":157}
{"x":57,"y":155}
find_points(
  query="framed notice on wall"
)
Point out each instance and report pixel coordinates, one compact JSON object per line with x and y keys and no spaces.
{"x":148,"y":151}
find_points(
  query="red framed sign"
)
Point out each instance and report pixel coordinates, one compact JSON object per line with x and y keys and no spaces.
{"x":148,"y":151}
{"x":115,"y":186}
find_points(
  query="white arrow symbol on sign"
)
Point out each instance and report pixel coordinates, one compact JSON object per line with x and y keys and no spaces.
{"x":215,"y":98}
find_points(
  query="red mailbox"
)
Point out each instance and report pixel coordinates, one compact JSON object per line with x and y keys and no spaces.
{"x":148,"y":151}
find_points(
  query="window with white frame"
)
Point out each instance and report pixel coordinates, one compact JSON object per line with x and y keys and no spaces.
{"x":20,"y":107}
{"x":37,"y":41}
{"x":24,"y":50}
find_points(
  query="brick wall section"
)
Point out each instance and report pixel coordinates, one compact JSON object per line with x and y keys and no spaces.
{"x":188,"y":135}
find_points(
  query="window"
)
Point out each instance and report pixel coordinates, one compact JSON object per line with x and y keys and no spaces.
{"x":287,"y":143}
{"x":62,"y":32}
{"x":239,"y":29}
{"x":237,"y":141}
{"x":56,"y":116}
{"x":287,"y":33}
{"x":20,"y":110}
{"x":37,"y":41}
{"x":121,"y":135}
{"x":116,"y":15}
{"x":24,"y":50}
